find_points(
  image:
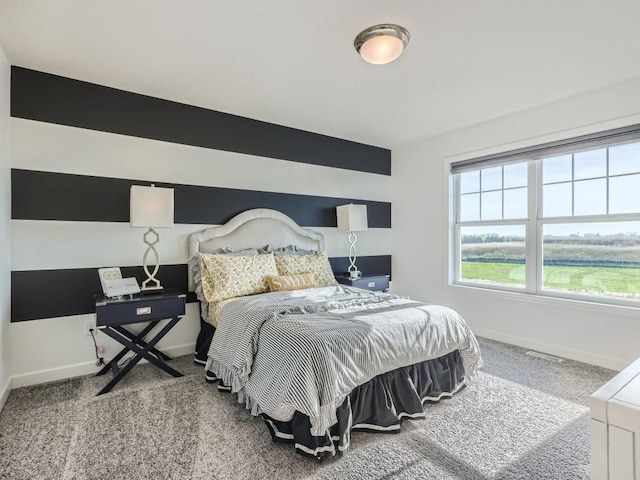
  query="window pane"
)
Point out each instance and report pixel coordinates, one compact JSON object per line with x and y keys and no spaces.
{"x":590,"y":164}
{"x":515,"y":203}
{"x":624,"y":194}
{"x":515,"y":175}
{"x":592,"y":258}
{"x":491,"y":205}
{"x":493,"y":255}
{"x":590,"y":197}
{"x":557,"y":200}
{"x":470,"y":207}
{"x":470,"y":182}
{"x":556,"y":169}
{"x":624,"y":159}
{"x":491,"y":178}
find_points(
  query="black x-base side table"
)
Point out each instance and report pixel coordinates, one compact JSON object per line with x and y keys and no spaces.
{"x":111,"y":316}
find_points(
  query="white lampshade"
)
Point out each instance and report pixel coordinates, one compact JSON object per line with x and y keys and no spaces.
{"x":352,"y":218}
{"x":151,"y":207}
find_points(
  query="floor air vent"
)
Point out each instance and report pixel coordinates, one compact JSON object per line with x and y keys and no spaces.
{"x":544,"y":356}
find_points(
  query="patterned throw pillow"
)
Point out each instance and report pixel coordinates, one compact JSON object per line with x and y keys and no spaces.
{"x":315,"y":263}
{"x":228,"y":276}
{"x":286,"y":283}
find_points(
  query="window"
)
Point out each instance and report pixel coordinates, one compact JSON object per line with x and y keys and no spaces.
{"x":559,"y":219}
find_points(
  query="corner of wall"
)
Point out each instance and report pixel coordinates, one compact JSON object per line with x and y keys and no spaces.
{"x":5,"y":228}
{"x":4,"y":392}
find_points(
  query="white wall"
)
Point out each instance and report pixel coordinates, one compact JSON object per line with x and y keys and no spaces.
{"x":602,"y":335}
{"x":5,"y":228}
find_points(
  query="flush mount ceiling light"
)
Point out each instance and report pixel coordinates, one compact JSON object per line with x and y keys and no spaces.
{"x":382,"y":43}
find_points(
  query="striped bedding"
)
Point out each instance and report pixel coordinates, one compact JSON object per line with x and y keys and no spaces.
{"x":306,"y":350}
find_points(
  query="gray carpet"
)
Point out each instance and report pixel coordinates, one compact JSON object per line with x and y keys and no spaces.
{"x":522,"y":418}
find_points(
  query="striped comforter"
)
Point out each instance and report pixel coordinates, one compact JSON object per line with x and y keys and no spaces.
{"x":306,"y":350}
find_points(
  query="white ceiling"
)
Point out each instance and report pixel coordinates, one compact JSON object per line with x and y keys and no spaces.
{"x":292,"y":62}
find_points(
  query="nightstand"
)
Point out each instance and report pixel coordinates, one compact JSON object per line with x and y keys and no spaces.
{"x":111,"y":316}
{"x":368,"y":282}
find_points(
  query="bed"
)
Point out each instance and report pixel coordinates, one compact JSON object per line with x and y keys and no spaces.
{"x":316,"y":360}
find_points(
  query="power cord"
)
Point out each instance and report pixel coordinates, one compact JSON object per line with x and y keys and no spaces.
{"x":99,"y":359}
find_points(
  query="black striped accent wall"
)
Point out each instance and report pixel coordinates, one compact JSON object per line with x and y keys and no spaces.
{"x":64,"y":101}
{"x":39,"y":294}
{"x":60,"y":196}
{"x":37,"y":98}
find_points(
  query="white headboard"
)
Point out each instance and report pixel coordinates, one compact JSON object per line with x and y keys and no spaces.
{"x":251,"y":229}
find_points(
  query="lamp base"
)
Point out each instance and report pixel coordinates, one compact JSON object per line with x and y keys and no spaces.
{"x":151,"y":238}
{"x":354,"y":274}
{"x":151,"y":289}
{"x":353,"y":271}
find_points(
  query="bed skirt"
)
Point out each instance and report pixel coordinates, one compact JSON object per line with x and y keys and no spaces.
{"x":377,"y":406}
{"x":203,"y":342}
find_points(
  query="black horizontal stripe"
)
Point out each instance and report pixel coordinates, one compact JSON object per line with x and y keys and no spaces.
{"x":37,"y":294}
{"x":54,"y":99}
{"x":39,"y":195}
{"x":59,"y":293}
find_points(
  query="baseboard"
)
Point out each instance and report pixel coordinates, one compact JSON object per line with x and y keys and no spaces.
{"x":4,"y":393}
{"x":557,"y":350}
{"x":78,"y":369}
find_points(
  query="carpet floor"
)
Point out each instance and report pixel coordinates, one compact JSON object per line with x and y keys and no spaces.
{"x":522,"y":418}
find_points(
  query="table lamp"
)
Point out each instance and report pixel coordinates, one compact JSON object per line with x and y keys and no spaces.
{"x":151,"y":207}
{"x":352,"y":218}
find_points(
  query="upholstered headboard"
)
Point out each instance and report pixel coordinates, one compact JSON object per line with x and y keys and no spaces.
{"x":254,"y":228}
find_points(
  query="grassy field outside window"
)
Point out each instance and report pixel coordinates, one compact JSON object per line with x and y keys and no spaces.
{"x":588,"y":264}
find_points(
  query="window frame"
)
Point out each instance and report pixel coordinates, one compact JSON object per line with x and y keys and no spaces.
{"x":491,"y":223}
{"x":534,"y":226}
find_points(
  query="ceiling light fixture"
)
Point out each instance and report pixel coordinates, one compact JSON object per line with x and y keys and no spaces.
{"x":382,"y":43}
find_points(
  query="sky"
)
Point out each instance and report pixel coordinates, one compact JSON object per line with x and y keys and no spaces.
{"x":594,"y":182}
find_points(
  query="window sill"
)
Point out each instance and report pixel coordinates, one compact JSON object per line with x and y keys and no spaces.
{"x":547,"y":299}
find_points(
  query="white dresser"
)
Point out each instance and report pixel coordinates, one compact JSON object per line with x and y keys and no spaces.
{"x":615,"y":427}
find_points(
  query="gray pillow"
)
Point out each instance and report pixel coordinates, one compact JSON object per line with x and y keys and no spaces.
{"x":289,"y":250}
